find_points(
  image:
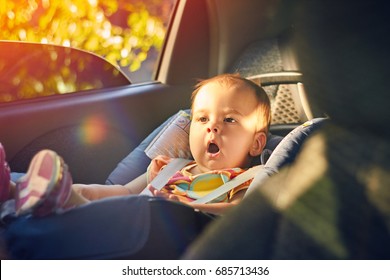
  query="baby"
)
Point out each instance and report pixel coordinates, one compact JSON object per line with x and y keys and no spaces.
{"x":230,"y":121}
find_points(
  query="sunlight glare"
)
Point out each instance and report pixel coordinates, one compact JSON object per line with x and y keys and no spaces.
{"x":93,"y":3}
{"x":11,"y":15}
{"x":73,"y":9}
{"x":124,"y":53}
{"x":22,"y":34}
{"x":93,"y":130}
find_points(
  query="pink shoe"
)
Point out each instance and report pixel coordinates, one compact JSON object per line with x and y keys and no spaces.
{"x":5,"y":176}
{"x":46,"y":187}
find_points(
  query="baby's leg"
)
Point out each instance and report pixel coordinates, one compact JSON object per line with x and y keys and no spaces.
{"x":96,"y":192}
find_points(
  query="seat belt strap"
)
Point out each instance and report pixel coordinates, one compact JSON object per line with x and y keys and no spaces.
{"x":166,"y":173}
{"x":236,"y":181}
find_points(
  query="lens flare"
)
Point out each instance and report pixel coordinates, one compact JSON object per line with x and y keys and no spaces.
{"x":93,"y":130}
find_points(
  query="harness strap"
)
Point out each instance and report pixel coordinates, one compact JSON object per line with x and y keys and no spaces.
{"x":177,"y":164}
{"x":236,"y":181}
{"x":166,"y":173}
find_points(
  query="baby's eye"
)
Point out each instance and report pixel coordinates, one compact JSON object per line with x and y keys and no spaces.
{"x":202,"y":119}
{"x":230,"y":120}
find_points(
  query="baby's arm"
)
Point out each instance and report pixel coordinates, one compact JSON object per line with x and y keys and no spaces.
{"x":95,"y":191}
{"x":137,"y":185}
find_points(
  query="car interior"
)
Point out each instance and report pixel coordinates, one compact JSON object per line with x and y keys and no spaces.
{"x":216,"y":40}
{"x":205,"y":38}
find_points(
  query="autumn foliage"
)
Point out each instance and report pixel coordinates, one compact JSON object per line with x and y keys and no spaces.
{"x":121,"y":31}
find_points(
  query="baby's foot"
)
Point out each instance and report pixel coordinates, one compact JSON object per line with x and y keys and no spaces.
{"x":46,"y":187}
{"x":4,"y":176}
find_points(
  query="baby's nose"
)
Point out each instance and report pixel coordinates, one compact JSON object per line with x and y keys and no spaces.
{"x":213,"y":128}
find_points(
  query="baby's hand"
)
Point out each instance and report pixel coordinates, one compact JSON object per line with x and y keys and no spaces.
{"x":169,"y":196}
{"x":159,"y":193}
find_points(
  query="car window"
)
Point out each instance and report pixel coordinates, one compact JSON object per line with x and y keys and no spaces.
{"x":127,"y":33}
{"x":30,"y":70}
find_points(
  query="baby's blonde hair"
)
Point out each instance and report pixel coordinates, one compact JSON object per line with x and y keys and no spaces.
{"x":231,"y":80}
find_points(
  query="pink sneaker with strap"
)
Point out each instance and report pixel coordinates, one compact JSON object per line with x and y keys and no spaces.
{"x":46,"y":187}
{"x":5,"y":177}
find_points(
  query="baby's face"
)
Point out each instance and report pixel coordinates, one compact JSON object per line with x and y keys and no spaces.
{"x":223,"y":128}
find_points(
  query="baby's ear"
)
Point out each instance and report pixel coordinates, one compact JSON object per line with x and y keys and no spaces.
{"x":258,"y":144}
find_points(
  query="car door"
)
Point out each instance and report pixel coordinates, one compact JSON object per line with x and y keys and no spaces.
{"x":94,"y":129}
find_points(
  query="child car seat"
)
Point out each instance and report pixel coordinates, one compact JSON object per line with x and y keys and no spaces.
{"x":131,"y":227}
{"x":137,"y":161}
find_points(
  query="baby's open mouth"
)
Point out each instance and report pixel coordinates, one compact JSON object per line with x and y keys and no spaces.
{"x":213,"y":148}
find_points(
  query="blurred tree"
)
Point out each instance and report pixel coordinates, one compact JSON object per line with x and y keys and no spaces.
{"x":121,"y":31}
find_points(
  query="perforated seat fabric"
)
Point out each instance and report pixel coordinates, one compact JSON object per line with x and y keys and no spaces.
{"x":263,"y":57}
{"x":284,"y":108}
